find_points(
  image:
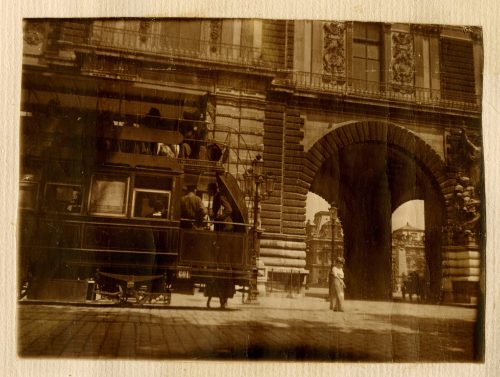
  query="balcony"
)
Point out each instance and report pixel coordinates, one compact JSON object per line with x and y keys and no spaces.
{"x":163,"y":46}
{"x":382,"y":91}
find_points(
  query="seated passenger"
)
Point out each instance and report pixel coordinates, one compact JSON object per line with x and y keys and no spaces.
{"x":186,"y":146}
{"x":166,"y":150}
{"x":194,"y":133}
{"x":199,"y":144}
{"x":158,"y":210}
{"x":153,"y":120}
{"x":214,"y":152}
{"x":75,"y":204}
{"x":193,"y":212}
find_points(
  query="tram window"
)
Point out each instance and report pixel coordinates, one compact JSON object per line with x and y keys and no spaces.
{"x":151,"y":203}
{"x":153,"y":182}
{"x":108,"y":195}
{"x":28,"y":188}
{"x":27,"y":195}
{"x":61,"y":197}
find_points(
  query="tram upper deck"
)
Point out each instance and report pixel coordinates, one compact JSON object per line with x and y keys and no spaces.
{"x":89,"y":188}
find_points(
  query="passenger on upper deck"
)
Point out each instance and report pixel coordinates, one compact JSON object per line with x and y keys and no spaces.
{"x":153,"y":120}
{"x":193,"y":212}
{"x":194,"y":134}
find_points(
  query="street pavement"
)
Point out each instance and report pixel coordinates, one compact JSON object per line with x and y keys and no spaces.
{"x":278,"y":328}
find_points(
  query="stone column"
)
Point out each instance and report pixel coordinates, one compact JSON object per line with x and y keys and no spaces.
{"x":365,"y":200}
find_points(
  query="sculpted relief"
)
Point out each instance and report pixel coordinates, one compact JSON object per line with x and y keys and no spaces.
{"x":465,"y":224}
{"x":334,"y":52}
{"x":403,"y":63}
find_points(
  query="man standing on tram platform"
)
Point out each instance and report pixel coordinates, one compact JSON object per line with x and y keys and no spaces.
{"x":193,"y":212}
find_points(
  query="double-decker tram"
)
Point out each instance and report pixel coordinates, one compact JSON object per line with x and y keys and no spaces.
{"x":103,"y":201}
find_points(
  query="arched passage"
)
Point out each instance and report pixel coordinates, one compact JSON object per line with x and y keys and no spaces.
{"x":370,"y":169}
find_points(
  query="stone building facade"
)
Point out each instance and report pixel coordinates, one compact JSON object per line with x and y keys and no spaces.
{"x":369,"y":115}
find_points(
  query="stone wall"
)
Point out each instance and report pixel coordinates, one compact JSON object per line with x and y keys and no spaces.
{"x":283,"y":214}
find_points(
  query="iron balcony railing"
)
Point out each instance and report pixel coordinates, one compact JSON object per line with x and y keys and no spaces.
{"x":166,"y":46}
{"x":380,"y":90}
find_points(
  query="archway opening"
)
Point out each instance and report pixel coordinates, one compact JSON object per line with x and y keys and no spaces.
{"x":369,"y":180}
{"x":322,"y":249}
{"x":410,"y":273}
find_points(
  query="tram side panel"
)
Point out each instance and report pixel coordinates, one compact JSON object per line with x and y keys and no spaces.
{"x":208,"y":254}
{"x":218,"y":260}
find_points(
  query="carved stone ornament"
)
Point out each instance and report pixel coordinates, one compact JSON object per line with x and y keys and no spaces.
{"x":465,"y":155}
{"x":334,"y":52}
{"x":145,"y":30}
{"x":33,"y":32}
{"x":215,"y":33}
{"x":464,"y":225}
{"x":403,"y":63}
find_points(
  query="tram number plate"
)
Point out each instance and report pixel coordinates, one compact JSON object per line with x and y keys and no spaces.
{"x":183,"y":274}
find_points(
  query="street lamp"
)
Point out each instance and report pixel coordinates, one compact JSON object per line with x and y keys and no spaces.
{"x":333,"y":220}
{"x":258,"y":186}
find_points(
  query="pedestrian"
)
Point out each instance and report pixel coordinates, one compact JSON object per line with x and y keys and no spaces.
{"x":193,"y":212}
{"x":337,"y":298}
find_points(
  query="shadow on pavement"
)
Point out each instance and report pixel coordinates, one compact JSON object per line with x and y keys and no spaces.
{"x":146,"y":334}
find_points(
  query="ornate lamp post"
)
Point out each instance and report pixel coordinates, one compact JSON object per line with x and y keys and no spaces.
{"x":258,"y":186}
{"x":333,"y":220}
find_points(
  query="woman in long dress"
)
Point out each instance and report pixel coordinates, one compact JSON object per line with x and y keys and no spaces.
{"x":337,"y":303}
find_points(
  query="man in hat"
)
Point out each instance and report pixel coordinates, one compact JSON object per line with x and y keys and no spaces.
{"x":337,"y":299}
{"x":193,"y":211}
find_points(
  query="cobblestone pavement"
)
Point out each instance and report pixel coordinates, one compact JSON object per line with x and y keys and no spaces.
{"x":276,"y":329}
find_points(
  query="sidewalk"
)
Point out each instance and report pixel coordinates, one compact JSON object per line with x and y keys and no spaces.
{"x":275,"y":329}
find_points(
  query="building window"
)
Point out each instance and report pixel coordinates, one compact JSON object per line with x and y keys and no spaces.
{"x":366,"y":56}
{"x":457,"y":70}
{"x":181,"y":34}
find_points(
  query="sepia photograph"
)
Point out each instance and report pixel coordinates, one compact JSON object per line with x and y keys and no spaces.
{"x":251,"y":189}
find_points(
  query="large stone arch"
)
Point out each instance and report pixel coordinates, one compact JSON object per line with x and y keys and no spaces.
{"x":382,"y":132}
{"x":399,"y":146}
